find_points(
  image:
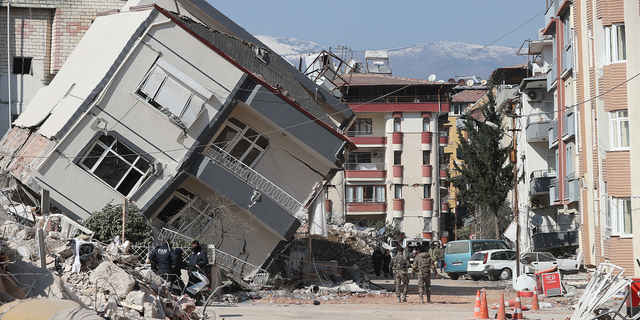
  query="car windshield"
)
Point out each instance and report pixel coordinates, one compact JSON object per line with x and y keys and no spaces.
{"x":478,"y":256}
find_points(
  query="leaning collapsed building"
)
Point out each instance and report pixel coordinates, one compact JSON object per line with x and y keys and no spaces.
{"x":172,"y":105}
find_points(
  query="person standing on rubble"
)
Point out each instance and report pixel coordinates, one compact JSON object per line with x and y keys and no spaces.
{"x":378,"y":258}
{"x":165,"y":259}
{"x":423,"y":264}
{"x":400,"y":265}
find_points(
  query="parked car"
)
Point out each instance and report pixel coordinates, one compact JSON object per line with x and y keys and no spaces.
{"x":545,"y":260}
{"x":458,"y":253}
{"x":493,"y":264}
{"x":415,"y":244}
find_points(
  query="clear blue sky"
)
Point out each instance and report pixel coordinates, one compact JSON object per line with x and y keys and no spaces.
{"x":377,"y":24}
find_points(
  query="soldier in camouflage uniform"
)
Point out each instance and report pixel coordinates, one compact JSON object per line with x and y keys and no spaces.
{"x":423,"y":264}
{"x":400,"y":264}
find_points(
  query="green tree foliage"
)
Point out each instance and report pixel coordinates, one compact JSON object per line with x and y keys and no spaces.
{"x":485,"y":177}
{"x":107,"y":224}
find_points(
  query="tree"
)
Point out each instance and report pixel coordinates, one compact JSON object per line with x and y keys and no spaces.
{"x":107,"y":224}
{"x":485,"y":177}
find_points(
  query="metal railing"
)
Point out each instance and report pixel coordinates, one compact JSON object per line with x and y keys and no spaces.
{"x":542,"y":174}
{"x":393,"y":99}
{"x":538,"y":117}
{"x":254,"y":179}
{"x":367,"y":200}
{"x":365,"y":166}
{"x":246,"y":271}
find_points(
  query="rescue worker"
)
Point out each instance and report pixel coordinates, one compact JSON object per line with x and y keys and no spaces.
{"x":198,"y":261}
{"x":400,"y":265}
{"x":423,"y":264}
{"x":177,"y":268}
{"x":165,"y":260}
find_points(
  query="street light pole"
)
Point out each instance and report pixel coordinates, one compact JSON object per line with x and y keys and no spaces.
{"x":514,"y":160}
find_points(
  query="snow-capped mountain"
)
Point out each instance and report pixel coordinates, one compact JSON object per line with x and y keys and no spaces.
{"x":419,"y":60}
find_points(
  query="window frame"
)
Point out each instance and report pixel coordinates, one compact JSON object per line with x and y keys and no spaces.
{"x":397,"y":191}
{"x":426,"y":157}
{"x":611,"y":42}
{"x":426,"y":124}
{"x":230,"y":145}
{"x":618,"y":215}
{"x":22,"y":62}
{"x":108,"y":150}
{"x":397,"y":125}
{"x":426,"y":192}
{"x":359,"y":124}
{"x":616,"y":132}
{"x":397,"y":158}
{"x":170,"y":76}
{"x":351,"y":194}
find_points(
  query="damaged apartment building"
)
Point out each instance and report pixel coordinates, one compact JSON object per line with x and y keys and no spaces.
{"x":181,"y":111}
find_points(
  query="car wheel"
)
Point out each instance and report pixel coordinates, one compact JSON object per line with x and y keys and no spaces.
{"x":476,"y":278}
{"x":505,"y":274}
{"x":454,"y":276}
{"x":493,"y":278}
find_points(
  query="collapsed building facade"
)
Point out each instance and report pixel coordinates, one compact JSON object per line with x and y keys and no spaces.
{"x":179,"y":110}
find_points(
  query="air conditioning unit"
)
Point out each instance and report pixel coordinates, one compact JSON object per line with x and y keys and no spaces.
{"x":375,"y":154}
{"x":534,"y":95}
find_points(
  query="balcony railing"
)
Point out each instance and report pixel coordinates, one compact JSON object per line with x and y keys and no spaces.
{"x":367,"y":200}
{"x":397,"y":99}
{"x":365,"y":134}
{"x":538,"y":117}
{"x":254,"y":179}
{"x":569,"y":123}
{"x":365,"y":166}
{"x":540,"y":181}
{"x":551,"y":76}
{"x":553,"y":134}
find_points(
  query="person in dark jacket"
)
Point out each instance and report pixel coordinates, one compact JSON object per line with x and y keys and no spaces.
{"x":198,"y":259}
{"x":377,"y":258}
{"x":165,"y":260}
{"x":177,"y":268}
{"x":385,"y":263}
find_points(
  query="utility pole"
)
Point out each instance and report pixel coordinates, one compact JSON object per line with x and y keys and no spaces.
{"x":513,"y":155}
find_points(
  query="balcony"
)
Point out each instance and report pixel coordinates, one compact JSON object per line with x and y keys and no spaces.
{"x":555,"y":236}
{"x":365,"y":171}
{"x":443,"y":174}
{"x":552,"y":76}
{"x":444,"y":207}
{"x":398,"y":172}
{"x":540,"y":182}
{"x":567,"y":60}
{"x":538,"y":125}
{"x":398,"y":99}
{"x":554,"y":191}
{"x":443,"y":138}
{"x":569,"y":124}
{"x":398,"y":208}
{"x":368,"y":137}
{"x":553,"y":134}
{"x":427,"y":172}
{"x":427,"y":207}
{"x":396,"y":138}
{"x":572,"y":188}
{"x":427,"y":140}
{"x":254,"y":179}
{"x":367,"y":205}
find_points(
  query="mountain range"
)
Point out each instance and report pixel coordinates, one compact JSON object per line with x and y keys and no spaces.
{"x":419,"y":60}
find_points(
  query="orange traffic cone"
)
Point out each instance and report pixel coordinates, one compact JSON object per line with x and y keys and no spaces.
{"x":484,"y":308}
{"x":476,"y":310}
{"x":517,"y":311}
{"x":534,"y":303}
{"x":508,"y":303}
{"x":501,"y":313}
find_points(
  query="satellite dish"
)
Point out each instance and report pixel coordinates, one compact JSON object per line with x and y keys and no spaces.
{"x":470,"y":82}
{"x":536,"y":220}
{"x":432,"y":77}
{"x":452,"y":80}
{"x":461,"y":82}
{"x":483,"y":82}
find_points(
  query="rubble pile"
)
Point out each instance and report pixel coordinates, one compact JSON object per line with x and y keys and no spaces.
{"x":348,"y":245}
{"x":107,"y":280}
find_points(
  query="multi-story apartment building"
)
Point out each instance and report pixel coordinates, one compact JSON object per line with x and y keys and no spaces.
{"x":41,"y":36}
{"x":397,"y":174}
{"x":589,"y":75}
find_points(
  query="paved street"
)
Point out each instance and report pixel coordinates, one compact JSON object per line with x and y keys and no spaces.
{"x":451,"y":300}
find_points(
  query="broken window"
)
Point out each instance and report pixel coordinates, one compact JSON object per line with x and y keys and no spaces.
{"x":116,"y":164}
{"x":174,"y":93}
{"x":242,"y":142}
{"x":361,"y":126}
{"x":22,"y":65}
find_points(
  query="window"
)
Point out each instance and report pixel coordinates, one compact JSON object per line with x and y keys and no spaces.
{"x":397,"y":222}
{"x":242,"y":142}
{"x":569,"y":159}
{"x":457,"y":109}
{"x":398,"y":191}
{"x":360,"y":157}
{"x":361,"y":126}
{"x":426,"y":124}
{"x":22,"y":65}
{"x":174,"y":93}
{"x":116,"y":164}
{"x":426,"y":158}
{"x":620,"y":129}
{"x":426,"y":191}
{"x":615,"y":44}
{"x":621,"y":217}
{"x":366,"y":194}
{"x":426,"y":225}
{"x":397,"y":158}
{"x":396,"y":124}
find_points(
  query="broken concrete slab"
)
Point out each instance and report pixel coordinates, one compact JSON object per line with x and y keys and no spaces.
{"x":111,"y":277}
